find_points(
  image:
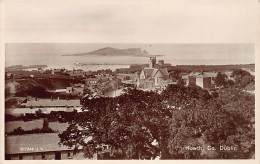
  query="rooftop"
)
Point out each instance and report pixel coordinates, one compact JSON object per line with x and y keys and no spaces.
{"x":52,"y":103}
{"x":29,"y":125}
{"x":92,"y":79}
{"x":32,"y":143}
{"x":200,"y":74}
{"x":151,"y":72}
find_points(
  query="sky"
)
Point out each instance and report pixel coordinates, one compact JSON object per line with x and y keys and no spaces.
{"x":142,"y":21}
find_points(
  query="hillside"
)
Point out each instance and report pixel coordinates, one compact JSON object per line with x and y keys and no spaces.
{"x":109,"y":51}
{"x":216,"y":68}
{"x":48,"y":84}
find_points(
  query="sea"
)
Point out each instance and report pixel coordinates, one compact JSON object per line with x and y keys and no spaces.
{"x":51,"y":54}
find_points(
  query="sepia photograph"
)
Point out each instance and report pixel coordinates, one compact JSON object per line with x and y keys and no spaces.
{"x":129,"y":101}
{"x":152,"y":80}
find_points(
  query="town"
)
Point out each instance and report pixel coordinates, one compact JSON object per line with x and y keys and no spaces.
{"x":39,"y":102}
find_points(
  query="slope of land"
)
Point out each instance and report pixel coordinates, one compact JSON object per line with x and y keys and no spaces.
{"x":109,"y":51}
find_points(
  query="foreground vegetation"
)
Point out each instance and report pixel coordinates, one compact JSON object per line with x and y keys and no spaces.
{"x":144,"y":125}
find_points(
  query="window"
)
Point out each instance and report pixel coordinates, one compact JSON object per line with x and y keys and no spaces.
{"x":7,"y":157}
{"x":58,"y":156}
{"x":43,"y":156}
{"x":20,"y":156}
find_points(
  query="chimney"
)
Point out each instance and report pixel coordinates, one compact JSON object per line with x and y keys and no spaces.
{"x":45,"y":124}
{"x":161,"y":62}
{"x":152,"y":61}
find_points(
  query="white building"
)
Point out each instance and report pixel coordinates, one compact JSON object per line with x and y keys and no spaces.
{"x":38,"y":147}
{"x":47,"y":106}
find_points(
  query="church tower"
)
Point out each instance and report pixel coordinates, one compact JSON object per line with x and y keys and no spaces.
{"x":152,"y":61}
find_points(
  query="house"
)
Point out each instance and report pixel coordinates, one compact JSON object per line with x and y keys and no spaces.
{"x":78,"y":90}
{"x":153,"y":77}
{"x":43,"y":146}
{"x":203,"y":79}
{"x":52,"y":103}
{"x":92,"y":81}
{"x":102,"y":84}
{"x":128,"y":78}
{"x":69,"y":90}
{"x":47,"y":106}
{"x":57,"y":71}
{"x":33,"y":124}
{"x":60,"y":90}
{"x":76,"y":74}
{"x":48,"y":110}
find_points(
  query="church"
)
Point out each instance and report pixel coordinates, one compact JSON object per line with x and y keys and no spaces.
{"x":153,"y":77}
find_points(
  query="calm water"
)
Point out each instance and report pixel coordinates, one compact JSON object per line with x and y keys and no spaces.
{"x":177,"y":54}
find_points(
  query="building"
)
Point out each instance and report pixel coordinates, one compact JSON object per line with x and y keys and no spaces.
{"x":92,"y":81}
{"x":74,"y":90}
{"x":78,"y":90}
{"x":203,"y":79}
{"x":34,"y":124}
{"x":47,"y":106}
{"x":76,"y":73}
{"x":128,"y":78}
{"x":51,"y":103}
{"x":153,"y":76}
{"x":44,"y":146}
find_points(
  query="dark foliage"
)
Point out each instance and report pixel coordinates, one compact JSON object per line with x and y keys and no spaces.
{"x":242,"y":78}
{"x":10,"y":103}
{"x":221,"y":80}
{"x":143,"y":125}
{"x":40,"y":92}
{"x":20,"y":131}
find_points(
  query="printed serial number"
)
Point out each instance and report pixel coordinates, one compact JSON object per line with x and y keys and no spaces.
{"x":31,"y":149}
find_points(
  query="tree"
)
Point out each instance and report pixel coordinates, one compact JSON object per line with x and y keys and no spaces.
{"x":175,"y":74}
{"x":239,"y":72}
{"x":10,"y":103}
{"x":86,"y":91}
{"x":7,"y":92}
{"x":208,"y":121}
{"x":221,"y":80}
{"x":34,"y":91}
{"x":241,"y":75}
{"x":133,"y":122}
{"x":128,"y":124}
{"x":180,"y":81}
{"x":246,"y":80}
{"x":241,"y":105}
{"x":230,"y":83}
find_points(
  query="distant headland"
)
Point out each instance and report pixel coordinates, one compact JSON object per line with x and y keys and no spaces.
{"x":109,"y":51}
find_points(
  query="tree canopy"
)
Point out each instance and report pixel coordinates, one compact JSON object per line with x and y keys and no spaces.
{"x":144,"y":125}
{"x":242,"y":78}
{"x":221,"y":80}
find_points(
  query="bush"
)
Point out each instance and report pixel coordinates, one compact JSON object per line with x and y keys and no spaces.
{"x":10,"y":103}
{"x":20,"y":131}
